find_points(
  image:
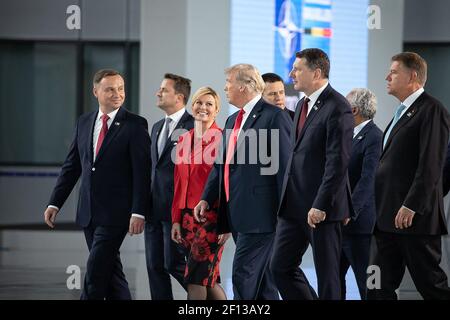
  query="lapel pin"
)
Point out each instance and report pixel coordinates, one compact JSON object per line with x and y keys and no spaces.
{"x":315,"y":107}
{"x":360,"y":137}
{"x":117,"y":123}
{"x":254,"y":116}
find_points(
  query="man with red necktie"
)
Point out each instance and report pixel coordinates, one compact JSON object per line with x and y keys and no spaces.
{"x":315,"y":199}
{"x":246,"y":185}
{"x":111,"y":154}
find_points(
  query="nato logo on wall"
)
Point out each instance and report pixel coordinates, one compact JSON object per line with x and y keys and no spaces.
{"x":299,"y":24}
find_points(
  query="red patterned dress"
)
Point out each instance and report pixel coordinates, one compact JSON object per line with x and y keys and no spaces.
{"x":195,"y":159}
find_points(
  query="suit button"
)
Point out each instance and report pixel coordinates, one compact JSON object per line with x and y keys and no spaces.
{"x":93,"y":169}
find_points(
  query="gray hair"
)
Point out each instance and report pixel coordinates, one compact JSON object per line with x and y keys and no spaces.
{"x":364,"y":100}
{"x":248,"y":75}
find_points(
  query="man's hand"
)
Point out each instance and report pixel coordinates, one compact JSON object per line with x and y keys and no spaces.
{"x":404,"y":218}
{"x":199,"y":211}
{"x":136,"y":225}
{"x":223,"y":238}
{"x":50,"y":216}
{"x":315,"y":216}
{"x":176,"y":233}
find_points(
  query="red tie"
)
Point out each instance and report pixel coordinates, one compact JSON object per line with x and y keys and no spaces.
{"x":103,"y":132}
{"x":304,"y":112}
{"x":230,"y":151}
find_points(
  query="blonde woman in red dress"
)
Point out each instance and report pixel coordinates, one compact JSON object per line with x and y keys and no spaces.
{"x":195,"y":155}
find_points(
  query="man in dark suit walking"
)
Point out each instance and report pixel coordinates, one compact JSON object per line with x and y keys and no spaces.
{"x":315,"y":199}
{"x":164,"y":257}
{"x":247,"y":179}
{"x":366,"y":150}
{"x":408,"y":186}
{"x":111,"y":153}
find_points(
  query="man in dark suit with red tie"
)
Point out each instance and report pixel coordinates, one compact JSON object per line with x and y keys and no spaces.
{"x":247,"y":181}
{"x":315,"y":199}
{"x":408,"y":186}
{"x":111,"y":153}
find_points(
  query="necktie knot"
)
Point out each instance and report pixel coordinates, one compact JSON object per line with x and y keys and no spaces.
{"x":241,"y":113}
{"x":164,"y":136}
{"x":103,"y":132}
{"x":397,"y":116}
{"x":399,"y":111}
{"x":303,"y":114}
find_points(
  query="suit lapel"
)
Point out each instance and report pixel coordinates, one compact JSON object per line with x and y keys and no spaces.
{"x":155,"y":135}
{"x":91,"y":125}
{"x":170,"y":142}
{"x":312,"y":114}
{"x":405,"y":118}
{"x":256,"y":111}
{"x":360,"y":136}
{"x":114,"y":128}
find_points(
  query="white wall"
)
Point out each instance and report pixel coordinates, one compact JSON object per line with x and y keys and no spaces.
{"x":185,"y":37}
{"x":383,"y":44}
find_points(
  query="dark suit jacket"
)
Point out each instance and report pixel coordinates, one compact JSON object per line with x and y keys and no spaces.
{"x":254,"y":196}
{"x":290,"y":113}
{"x":163,"y":168}
{"x":366,"y":151}
{"x":316,"y":175}
{"x":116,"y":184}
{"x":446,"y":174}
{"x":192,"y":168}
{"x":410,"y":169}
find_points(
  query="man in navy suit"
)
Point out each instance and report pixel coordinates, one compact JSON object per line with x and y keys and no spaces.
{"x":408,"y":186}
{"x":111,"y":153}
{"x":164,"y":257}
{"x":366,"y":150}
{"x":247,"y":180}
{"x":315,"y":199}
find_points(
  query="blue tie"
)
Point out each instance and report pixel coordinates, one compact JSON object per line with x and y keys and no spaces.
{"x":398,"y":113}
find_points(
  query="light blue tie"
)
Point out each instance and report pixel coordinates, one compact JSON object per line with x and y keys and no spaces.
{"x":398,"y":113}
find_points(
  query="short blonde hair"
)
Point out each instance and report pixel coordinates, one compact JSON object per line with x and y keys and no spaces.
{"x":204,"y":91}
{"x":248,"y":75}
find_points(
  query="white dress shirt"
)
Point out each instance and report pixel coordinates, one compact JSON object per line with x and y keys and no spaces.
{"x":359,"y":127}
{"x":98,"y":127}
{"x":314,"y":96}
{"x":248,"y":109}
{"x":175,"y":119}
{"x":410,"y":100}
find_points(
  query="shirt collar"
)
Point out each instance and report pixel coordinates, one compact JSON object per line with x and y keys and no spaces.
{"x":315,"y":95}
{"x":111,"y":115}
{"x":251,"y":104}
{"x":177,"y":115}
{"x":359,"y":127}
{"x":413,"y":97}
